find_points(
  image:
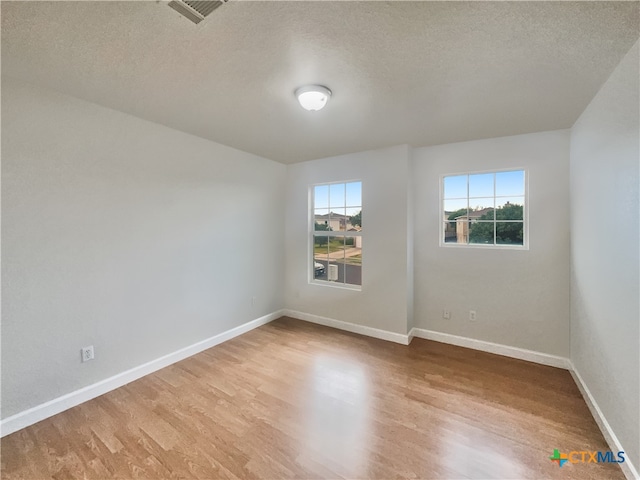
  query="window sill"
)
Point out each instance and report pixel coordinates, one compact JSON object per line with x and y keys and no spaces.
{"x":485,"y":247}
{"x":341,"y":286}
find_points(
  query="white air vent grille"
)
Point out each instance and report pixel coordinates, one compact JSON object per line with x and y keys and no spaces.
{"x":196,"y":11}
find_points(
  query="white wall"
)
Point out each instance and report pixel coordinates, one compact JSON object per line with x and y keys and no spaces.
{"x":141,"y":240}
{"x":383,"y":301}
{"x":125,"y":235}
{"x":521,"y":297}
{"x":605,"y":314}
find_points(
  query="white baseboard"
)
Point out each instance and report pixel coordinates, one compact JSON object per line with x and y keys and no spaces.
{"x":505,"y":350}
{"x":349,"y":327}
{"x":40,"y":412}
{"x":60,"y":404}
{"x":628,"y":468}
{"x":612,"y":440}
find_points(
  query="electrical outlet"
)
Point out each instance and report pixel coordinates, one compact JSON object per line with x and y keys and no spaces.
{"x":472,"y":315}
{"x":87,"y":353}
{"x":446,"y":314}
{"x":253,"y":301}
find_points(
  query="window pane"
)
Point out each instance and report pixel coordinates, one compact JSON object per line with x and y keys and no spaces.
{"x":320,"y":256}
{"x":321,"y":196}
{"x":481,"y":206}
{"x":510,"y":183}
{"x":353,"y":261}
{"x":354,"y":194}
{"x":335,"y":269}
{"x":483,"y":214}
{"x":336,"y":195}
{"x":461,"y":227}
{"x":481,"y":185}
{"x":510,"y":208}
{"x":481,"y":233}
{"x":456,"y":206}
{"x":355,"y":218}
{"x":455,"y":219}
{"x":321,"y":245}
{"x":450,"y":232}
{"x":337,"y":219}
{"x":455,"y":186}
{"x":321,"y":219}
{"x":510,"y":233}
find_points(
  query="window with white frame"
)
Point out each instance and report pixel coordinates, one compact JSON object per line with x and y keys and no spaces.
{"x":484,"y":209}
{"x":336,"y":233}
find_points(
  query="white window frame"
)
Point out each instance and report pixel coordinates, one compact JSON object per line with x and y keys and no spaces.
{"x":525,"y":212}
{"x":340,"y":233}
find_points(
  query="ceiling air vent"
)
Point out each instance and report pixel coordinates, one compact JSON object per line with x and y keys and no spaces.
{"x":196,"y":11}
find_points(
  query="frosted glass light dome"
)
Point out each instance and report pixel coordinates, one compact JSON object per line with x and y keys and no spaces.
{"x":313,"y":97}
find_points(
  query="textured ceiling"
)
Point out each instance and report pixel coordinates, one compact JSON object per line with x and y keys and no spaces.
{"x":420,"y":73}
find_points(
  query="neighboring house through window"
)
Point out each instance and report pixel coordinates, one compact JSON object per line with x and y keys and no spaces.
{"x":484,"y":209}
{"x":336,"y":233}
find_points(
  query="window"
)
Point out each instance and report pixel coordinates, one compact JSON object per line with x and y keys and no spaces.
{"x":336,"y":234}
{"x":484,"y":209}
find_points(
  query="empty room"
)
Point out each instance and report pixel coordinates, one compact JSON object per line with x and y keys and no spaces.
{"x":320,"y":240}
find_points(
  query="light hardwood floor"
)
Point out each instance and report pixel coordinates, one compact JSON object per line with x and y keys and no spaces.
{"x":296,"y":400}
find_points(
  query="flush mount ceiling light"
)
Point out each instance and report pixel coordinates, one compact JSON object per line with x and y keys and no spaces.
{"x":313,"y":97}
